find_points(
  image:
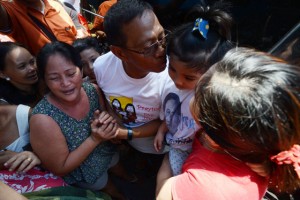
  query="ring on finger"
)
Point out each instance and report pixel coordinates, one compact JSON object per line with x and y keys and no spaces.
{"x":29,"y":159}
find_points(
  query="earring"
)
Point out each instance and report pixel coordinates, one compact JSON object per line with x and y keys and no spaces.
{"x":7,"y":79}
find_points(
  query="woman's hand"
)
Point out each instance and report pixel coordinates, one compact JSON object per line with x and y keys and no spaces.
{"x":104,"y":126}
{"x":22,"y":162}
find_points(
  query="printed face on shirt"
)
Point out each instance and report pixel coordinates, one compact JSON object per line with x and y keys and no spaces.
{"x":88,"y":57}
{"x":147,"y":31}
{"x":172,"y":114}
{"x":184,"y":77}
{"x":20,"y":67}
{"x":63,"y":78}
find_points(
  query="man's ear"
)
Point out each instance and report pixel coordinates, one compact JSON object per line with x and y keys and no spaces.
{"x":119,"y":52}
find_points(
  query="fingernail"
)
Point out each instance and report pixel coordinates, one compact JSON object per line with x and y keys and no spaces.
{"x":5,"y":164}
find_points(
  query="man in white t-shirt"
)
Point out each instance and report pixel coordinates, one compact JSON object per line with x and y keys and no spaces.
{"x":132,"y":74}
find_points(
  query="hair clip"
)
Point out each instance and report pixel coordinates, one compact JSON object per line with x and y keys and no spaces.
{"x":202,"y":26}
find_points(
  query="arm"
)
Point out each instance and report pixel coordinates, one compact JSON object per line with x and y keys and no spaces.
{"x":160,"y":136}
{"x":4,"y":22}
{"x":81,"y":32}
{"x":57,"y":158}
{"x":164,"y":181}
{"x":146,"y":130}
{"x":8,"y":193}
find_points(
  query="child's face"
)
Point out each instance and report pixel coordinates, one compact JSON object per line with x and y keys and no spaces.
{"x":88,"y":56}
{"x":184,"y":78}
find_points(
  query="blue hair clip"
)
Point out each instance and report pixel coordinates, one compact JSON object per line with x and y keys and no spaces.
{"x":202,"y":26}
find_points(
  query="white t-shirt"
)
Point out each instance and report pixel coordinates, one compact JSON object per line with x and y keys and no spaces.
{"x":137,"y":101}
{"x":22,"y":117}
{"x":176,"y":113}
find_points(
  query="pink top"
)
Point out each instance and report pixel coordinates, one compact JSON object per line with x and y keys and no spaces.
{"x":211,"y":175}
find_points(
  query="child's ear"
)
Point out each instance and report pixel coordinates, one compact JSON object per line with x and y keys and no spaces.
{"x":119,"y":52}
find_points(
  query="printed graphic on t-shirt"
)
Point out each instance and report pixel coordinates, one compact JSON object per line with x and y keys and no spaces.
{"x":124,"y":107}
{"x":180,"y":126}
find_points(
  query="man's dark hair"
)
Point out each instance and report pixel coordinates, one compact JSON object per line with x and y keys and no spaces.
{"x":118,"y":15}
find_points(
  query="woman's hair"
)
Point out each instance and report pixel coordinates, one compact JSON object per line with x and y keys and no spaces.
{"x":120,"y":14}
{"x":9,"y":92}
{"x":6,"y":48}
{"x":65,"y":50}
{"x":82,"y":44}
{"x":189,"y":46}
{"x":249,"y":104}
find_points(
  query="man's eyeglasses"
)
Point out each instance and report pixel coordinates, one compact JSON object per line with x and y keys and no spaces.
{"x":152,"y":49}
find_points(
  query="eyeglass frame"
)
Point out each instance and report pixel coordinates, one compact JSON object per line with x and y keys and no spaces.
{"x":158,"y":42}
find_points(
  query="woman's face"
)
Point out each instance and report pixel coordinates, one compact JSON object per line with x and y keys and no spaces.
{"x":63,"y":78}
{"x":20,"y":68}
{"x":184,"y":77}
{"x":88,"y":57}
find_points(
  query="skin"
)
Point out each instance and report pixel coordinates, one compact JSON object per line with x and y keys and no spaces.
{"x":88,"y":57}
{"x":64,"y":81}
{"x":147,"y":30}
{"x":165,"y":180}
{"x":20,"y":67}
{"x":184,"y":77}
{"x":8,"y":193}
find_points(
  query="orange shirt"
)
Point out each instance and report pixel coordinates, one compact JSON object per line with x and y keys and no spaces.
{"x":25,"y":31}
{"x":102,"y":10}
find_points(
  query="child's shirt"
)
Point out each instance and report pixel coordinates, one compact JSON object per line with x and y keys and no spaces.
{"x":176,"y":113}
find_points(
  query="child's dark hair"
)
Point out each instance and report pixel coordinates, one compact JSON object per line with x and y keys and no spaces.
{"x":57,"y":47}
{"x":249,"y":104}
{"x":121,"y":13}
{"x":192,"y":48}
{"x":90,"y":42}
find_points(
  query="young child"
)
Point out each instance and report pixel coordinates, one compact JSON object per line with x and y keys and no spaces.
{"x":192,"y":49}
{"x":89,"y":49}
{"x":249,"y":107}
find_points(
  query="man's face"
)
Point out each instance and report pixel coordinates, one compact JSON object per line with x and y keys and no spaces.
{"x":143,"y":33}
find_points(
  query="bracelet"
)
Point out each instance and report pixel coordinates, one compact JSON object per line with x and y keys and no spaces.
{"x":129,"y":133}
{"x":3,"y":150}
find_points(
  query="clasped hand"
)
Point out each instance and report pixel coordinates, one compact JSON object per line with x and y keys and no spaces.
{"x":104,"y":126}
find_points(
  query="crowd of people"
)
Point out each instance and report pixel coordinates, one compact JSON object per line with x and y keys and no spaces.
{"x":221,"y":120}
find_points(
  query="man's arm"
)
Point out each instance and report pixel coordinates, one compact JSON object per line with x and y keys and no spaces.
{"x":4,"y":22}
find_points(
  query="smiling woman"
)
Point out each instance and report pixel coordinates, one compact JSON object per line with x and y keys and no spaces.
{"x":18,"y":75}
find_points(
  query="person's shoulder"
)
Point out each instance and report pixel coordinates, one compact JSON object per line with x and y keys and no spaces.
{"x":105,"y":60}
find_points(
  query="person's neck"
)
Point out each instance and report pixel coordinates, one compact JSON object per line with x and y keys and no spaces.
{"x":26,"y":89}
{"x":133,"y":73}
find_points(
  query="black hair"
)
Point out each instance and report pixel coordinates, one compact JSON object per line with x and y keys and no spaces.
{"x":8,"y":91}
{"x":6,"y":48}
{"x":192,"y":48}
{"x":121,"y":13}
{"x":57,"y":47}
{"x":82,"y":44}
{"x":249,"y":104}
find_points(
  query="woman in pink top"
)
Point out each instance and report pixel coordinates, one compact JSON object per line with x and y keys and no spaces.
{"x":249,"y":106}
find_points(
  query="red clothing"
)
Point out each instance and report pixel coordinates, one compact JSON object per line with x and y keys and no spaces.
{"x":25,"y":31}
{"x":211,"y":175}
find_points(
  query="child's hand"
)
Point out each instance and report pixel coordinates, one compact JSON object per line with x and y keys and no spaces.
{"x":158,"y":141}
